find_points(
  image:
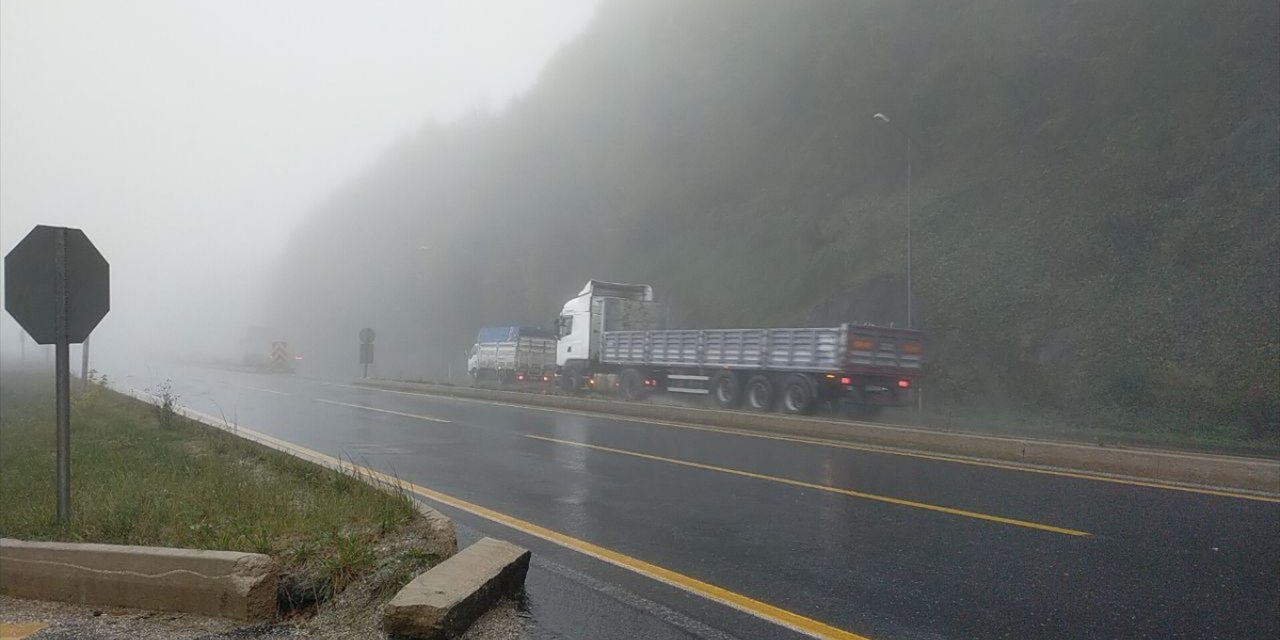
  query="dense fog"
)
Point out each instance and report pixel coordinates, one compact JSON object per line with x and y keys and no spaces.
{"x":1094,"y":187}
{"x":189,"y":140}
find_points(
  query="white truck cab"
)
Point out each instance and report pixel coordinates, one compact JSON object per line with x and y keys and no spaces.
{"x":601,"y":306}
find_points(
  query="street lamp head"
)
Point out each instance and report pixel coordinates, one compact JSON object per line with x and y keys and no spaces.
{"x":881,"y":117}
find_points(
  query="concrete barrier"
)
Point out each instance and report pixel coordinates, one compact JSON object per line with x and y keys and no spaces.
{"x":1245,"y":474}
{"x":225,"y":584}
{"x":443,"y":601}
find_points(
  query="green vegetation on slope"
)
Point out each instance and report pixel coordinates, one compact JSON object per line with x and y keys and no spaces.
{"x":1095,"y":198}
{"x":145,"y":477}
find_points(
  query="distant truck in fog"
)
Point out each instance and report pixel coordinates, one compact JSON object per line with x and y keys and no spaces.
{"x":265,"y":349}
{"x":610,"y":338}
{"x":512,"y":355}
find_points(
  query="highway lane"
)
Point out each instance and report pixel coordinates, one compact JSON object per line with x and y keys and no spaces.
{"x":763,"y":518}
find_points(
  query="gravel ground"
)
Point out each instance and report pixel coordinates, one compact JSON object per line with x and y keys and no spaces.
{"x":77,"y":622}
{"x":505,"y":621}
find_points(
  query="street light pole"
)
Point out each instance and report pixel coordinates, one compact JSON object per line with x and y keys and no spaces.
{"x":909,"y":316}
{"x":885,"y":120}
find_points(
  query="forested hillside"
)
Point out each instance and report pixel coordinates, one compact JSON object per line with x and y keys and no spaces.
{"x":1095,"y":197}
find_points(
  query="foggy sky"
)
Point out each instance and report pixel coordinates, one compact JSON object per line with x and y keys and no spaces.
{"x":188,"y":139}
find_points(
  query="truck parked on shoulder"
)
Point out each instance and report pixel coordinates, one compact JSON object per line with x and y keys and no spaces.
{"x":610,"y":339}
{"x":512,"y":355}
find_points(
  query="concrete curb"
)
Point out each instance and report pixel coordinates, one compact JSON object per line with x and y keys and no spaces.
{"x":443,"y":601}
{"x":225,"y":584}
{"x":1212,"y":471}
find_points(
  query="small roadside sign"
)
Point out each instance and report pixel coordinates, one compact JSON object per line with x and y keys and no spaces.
{"x":366,"y":349}
{"x":280,"y":354}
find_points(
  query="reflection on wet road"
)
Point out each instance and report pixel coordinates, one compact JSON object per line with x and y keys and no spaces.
{"x":651,"y":531}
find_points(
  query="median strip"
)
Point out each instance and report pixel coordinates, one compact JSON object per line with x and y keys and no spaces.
{"x":809,"y":485}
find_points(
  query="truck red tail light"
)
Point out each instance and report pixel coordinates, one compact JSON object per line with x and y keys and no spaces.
{"x":519,"y":376}
{"x":904,"y":384}
{"x":846,"y":380}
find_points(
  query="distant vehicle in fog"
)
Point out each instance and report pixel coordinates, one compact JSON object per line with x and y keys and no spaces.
{"x":512,"y":355}
{"x":611,"y":340}
{"x":266,"y":349}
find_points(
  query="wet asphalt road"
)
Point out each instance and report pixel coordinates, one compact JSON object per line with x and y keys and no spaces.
{"x":1156,"y":563}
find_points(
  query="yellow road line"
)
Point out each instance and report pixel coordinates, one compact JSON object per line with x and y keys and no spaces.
{"x":19,"y":630}
{"x":394,"y":413}
{"x":1080,"y":475}
{"x":821,"y":487}
{"x":762,"y":610}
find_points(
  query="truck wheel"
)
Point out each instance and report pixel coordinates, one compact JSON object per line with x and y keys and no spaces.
{"x":570,"y":381}
{"x":726,"y":390}
{"x":760,"y":393}
{"x":631,"y":385}
{"x":797,"y":395}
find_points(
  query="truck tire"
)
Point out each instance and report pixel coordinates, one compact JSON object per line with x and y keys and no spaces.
{"x":725,"y":389}
{"x":570,"y":381}
{"x":760,"y":393}
{"x":631,"y":385}
{"x":798,"y":397}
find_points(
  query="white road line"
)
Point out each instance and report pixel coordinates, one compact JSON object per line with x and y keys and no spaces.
{"x":394,"y":413}
{"x":245,"y":386}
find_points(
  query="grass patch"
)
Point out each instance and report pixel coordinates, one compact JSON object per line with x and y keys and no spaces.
{"x":144,"y":475}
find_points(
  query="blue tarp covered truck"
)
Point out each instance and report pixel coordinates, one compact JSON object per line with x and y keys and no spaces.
{"x":510,"y":355}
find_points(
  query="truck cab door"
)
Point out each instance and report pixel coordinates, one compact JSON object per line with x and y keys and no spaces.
{"x":572,"y":341}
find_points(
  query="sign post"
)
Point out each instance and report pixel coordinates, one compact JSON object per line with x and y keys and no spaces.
{"x":84,"y":365}
{"x":62,"y":372}
{"x":57,"y":286}
{"x":366,"y":348}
